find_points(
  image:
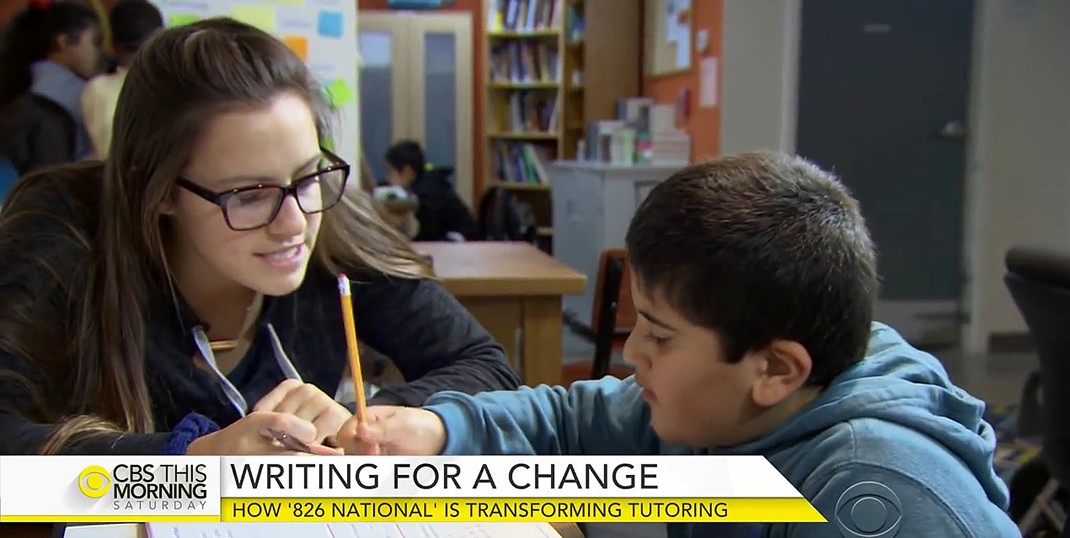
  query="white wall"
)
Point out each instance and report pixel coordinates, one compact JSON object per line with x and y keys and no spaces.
{"x":758,"y":61}
{"x":1020,"y":154}
{"x":1018,"y":182}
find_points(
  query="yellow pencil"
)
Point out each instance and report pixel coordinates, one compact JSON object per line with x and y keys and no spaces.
{"x":351,"y":343}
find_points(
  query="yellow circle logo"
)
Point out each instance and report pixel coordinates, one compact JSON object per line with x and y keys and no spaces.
{"x":94,"y":481}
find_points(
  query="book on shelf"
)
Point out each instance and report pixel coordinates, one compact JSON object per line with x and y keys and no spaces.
{"x":521,"y":162}
{"x":645,"y":132}
{"x":574,"y":24}
{"x":522,"y":15}
{"x":531,"y":111}
{"x":524,"y":62}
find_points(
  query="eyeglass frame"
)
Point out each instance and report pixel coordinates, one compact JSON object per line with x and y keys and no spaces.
{"x":220,"y":198}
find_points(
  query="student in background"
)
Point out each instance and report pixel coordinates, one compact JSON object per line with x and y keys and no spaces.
{"x":132,"y":23}
{"x":442,"y":215}
{"x":153,"y":302}
{"x":50,"y":49}
{"x":755,"y":280}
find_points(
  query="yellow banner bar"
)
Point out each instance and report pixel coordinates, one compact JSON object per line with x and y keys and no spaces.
{"x":750,"y":510}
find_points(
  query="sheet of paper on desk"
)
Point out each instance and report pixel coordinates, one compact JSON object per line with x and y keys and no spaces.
{"x":237,"y":530}
{"x":351,"y":530}
{"x":442,"y":530}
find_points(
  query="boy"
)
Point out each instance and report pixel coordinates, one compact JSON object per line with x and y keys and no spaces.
{"x":755,"y":282}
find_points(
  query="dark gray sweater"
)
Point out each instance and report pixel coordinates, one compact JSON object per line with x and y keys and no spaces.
{"x":433,"y":340}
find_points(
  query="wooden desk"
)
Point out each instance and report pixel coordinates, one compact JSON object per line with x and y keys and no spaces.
{"x":511,"y":288}
{"x":44,"y":530}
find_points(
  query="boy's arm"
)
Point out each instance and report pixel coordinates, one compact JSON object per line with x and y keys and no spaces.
{"x":866,"y":500}
{"x":591,"y":417}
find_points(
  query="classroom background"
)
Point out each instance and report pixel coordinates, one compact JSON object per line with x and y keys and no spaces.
{"x":547,"y":121}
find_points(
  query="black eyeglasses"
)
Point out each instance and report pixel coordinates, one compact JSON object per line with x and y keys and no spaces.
{"x":256,"y":206}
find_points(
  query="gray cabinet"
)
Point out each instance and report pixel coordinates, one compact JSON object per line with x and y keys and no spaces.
{"x":593,"y":204}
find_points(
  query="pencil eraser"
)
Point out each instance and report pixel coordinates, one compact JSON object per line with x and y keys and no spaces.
{"x":343,"y":284}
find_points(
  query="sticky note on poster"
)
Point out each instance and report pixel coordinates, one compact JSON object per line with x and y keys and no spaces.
{"x":182,"y":19}
{"x":298,"y":44}
{"x":330,"y":24}
{"x":262,"y":17}
{"x":339,"y":93}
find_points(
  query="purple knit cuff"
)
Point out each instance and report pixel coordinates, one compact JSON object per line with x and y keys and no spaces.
{"x":189,"y":428}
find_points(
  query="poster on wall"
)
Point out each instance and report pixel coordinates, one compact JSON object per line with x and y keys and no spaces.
{"x":323,"y":33}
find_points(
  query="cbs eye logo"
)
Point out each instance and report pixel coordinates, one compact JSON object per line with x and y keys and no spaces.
{"x":94,"y":481}
{"x":869,"y":510}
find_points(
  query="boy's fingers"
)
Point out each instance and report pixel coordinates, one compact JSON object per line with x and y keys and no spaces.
{"x":371,"y":433}
{"x":363,"y":449}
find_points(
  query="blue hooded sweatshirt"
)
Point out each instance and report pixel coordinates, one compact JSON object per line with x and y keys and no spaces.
{"x":894,"y":419}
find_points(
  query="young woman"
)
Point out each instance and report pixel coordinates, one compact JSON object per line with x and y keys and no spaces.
{"x":50,"y":49}
{"x":189,"y":282}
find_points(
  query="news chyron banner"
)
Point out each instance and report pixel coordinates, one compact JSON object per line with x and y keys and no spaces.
{"x":398,"y":489}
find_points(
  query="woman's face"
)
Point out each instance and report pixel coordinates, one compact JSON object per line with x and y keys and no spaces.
{"x":268,"y":145}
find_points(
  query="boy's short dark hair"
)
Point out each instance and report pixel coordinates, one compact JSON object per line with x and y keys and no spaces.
{"x":406,"y":153}
{"x":132,"y":23}
{"x":761,"y":246}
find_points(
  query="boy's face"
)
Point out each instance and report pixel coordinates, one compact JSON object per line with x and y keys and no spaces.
{"x":696,"y":397}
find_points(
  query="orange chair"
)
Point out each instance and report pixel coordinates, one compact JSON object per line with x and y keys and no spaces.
{"x":612,"y":319}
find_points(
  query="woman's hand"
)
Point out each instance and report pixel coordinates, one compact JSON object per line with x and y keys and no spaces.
{"x":307,"y":402}
{"x":246,"y":437}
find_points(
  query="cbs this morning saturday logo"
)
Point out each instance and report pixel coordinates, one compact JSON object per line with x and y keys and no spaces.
{"x":156,"y":487}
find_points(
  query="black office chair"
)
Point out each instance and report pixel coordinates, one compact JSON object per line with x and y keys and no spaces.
{"x":611,"y":302}
{"x":1039,"y":282}
{"x":607,"y":321}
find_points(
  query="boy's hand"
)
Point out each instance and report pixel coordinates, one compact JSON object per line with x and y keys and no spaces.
{"x":397,"y":431}
{"x":308,"y":402}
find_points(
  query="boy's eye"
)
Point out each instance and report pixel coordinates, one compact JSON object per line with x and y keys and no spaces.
{"x":658,"y":341}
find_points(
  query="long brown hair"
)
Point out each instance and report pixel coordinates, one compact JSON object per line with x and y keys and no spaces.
{"x":178,"y":81}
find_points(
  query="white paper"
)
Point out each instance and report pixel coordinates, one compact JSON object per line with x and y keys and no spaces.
{"x":442,"y":530}
{"x":117,"y":530}
{"x":679,"y":32}
{"x":351,"y":530}
{"x":707,"y":82}
{"x":237,"y":530}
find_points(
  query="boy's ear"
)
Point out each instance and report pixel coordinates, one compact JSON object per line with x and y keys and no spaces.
{"x":786,"y":367}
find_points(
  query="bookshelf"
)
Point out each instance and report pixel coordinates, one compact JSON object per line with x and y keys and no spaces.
{"x":552,"y":66}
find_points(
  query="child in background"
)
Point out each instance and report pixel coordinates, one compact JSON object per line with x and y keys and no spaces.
{"x":441,"y":215}
{"x":182,"y":297}
{"x":50,"y":49}
{"x":132,"y":23}
{"x":755,"y":281}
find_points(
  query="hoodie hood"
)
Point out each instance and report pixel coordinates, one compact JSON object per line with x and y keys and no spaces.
{"x":899,"y":384}
{"x":436,"y":174}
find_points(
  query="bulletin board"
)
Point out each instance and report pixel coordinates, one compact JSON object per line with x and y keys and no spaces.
{"x":669,"y":36}
{"x":321,"y":32}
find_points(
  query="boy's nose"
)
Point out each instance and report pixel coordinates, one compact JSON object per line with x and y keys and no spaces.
{"x":631,"y":354}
